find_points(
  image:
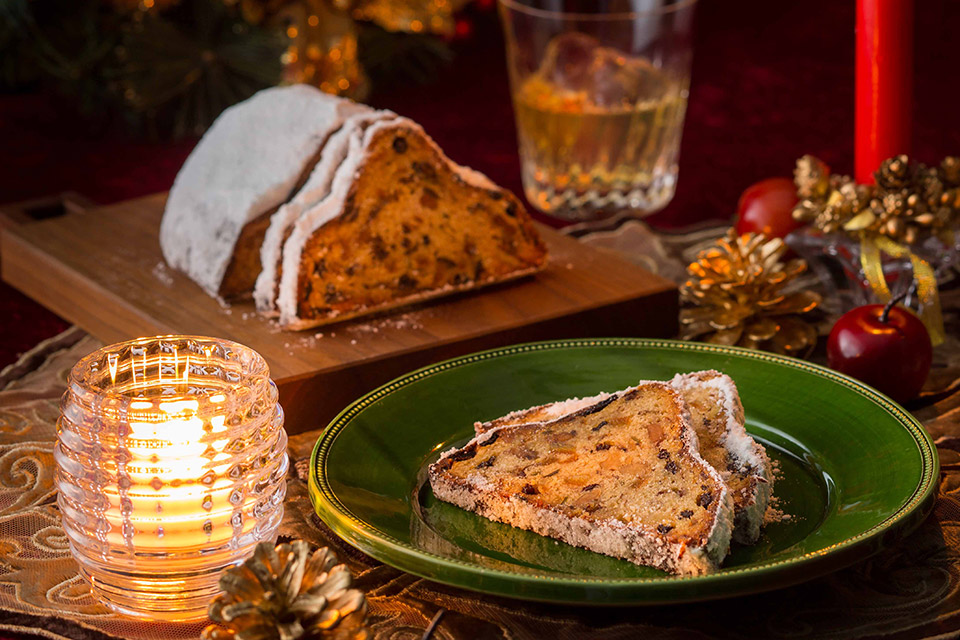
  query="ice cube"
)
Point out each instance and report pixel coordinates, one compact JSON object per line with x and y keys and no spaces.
{"x":568,"y":59}
{"x":606,"y":77}
{"x":619,"y":81}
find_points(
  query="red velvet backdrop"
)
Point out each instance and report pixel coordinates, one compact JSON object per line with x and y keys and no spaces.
{"x":771,"y":81}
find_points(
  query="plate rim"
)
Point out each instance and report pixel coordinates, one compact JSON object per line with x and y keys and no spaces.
{"x":356,"y":531}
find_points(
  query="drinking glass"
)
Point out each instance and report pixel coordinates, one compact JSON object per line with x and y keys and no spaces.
{"x":599,"y":92}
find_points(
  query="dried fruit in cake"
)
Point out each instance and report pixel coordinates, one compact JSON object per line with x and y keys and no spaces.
{"x":251,"y":161}
{"x":313,"y":192}
{"x":402,"y":223}
{"x":621,"y":477}
{"x":718,"y":420}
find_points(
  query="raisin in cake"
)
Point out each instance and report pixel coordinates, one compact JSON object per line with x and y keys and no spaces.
{"x":621,"y":477}
{"x":250,"y":162}
{"x":717,"y":417}
{"x":402,"y":223}
{"x":313,"y":192}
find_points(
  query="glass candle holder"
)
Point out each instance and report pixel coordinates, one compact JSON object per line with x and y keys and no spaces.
{"x":171,"y":460}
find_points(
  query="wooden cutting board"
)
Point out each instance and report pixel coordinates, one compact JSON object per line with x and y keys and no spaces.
{"x":102,"y":269}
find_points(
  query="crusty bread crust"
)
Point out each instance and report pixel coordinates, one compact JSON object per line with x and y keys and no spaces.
{"x":301,"y":324}
{"x":748,"y":471}
{"x":636,"y":542}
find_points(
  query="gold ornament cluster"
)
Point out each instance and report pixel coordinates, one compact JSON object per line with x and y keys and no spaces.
{"x":908,"y":203}
{"x":287,"y":593}
{"x":323,"y":34}
{"x":739,"y":294}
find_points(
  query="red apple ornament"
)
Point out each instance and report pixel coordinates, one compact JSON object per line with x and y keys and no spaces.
{"x":886,"y":347}
{"x":767,"y":207}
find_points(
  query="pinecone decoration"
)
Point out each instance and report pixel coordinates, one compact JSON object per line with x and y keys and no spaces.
{"x":909,"y":201}
{"x":895,"y":173}
{"x":949,"y":172}
{"x":737,"y":294}
{"x":828,"y":201}
{"x":285,"y":593}
{"x":812,"y":177}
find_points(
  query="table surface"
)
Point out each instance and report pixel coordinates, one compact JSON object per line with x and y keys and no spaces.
{"x":909,"y":591}
{"x":771,"y":81}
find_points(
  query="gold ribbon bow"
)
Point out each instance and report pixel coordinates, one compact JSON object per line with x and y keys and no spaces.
{"x":870,"y":260}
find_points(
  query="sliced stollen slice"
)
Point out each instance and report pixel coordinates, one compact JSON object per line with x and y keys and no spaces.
{"x":402,"y":223}
{"x":621,"y":477}
{"x":251,"y":160}
{"x":316,"y":188}
{"x":717,"y":417}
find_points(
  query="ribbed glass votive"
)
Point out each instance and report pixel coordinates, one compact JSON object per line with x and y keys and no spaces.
{"x":171,"y":459}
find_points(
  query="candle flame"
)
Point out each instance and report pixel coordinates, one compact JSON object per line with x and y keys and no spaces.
{"x":113,"y":361}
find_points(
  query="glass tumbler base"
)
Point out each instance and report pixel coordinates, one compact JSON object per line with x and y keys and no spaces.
{"x":595,"y":204}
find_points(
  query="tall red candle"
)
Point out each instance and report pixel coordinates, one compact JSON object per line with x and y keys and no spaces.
{"x":884,"y":83}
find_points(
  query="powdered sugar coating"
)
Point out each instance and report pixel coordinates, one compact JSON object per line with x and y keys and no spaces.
{"x":748,"y":455}
{"x":544,"y":412}
{"x":736,"y":439}
{"x":314,"y":191}
{"x":246,"y":164}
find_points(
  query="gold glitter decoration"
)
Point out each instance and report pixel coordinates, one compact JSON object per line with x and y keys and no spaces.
{"x":736,"y":295}
{"x":323,"y":34}
{"x":411,"y":16}
{"x":323,"y":49}
{"x":287,"y":593}
{"x":142,"y":5}
{"x":323,"y":43}
{"x":908,"y":203}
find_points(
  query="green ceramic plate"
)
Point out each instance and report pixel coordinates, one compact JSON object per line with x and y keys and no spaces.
{"x":857,"y":471}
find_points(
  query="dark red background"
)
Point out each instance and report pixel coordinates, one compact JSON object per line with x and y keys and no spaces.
{"x":771,"y":81}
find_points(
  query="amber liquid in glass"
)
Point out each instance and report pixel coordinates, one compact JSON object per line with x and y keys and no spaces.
{"x":598,"y":131}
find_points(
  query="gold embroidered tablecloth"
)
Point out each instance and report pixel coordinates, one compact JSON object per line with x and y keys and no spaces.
{"x":908,"y":592}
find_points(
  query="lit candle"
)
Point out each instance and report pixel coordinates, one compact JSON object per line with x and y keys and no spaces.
{"x":884,"y":83}
{"x":171,"y":461}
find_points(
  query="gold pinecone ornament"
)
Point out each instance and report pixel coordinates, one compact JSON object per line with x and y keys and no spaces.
{"x":739,"y":293}
{"x":908,"y":203}
{"x":287,"y":593}
{"x":827,"y":201}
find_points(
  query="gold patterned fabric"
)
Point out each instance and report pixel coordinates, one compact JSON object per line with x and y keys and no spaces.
{"x":908,"y":592}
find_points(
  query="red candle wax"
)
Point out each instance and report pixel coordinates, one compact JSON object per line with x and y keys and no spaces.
{"x":884,"y":83}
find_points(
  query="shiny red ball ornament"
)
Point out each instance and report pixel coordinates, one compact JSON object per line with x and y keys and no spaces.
{"x":462,"y":29}
{"x":767,"y":207}
{"x":886,"y":347}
